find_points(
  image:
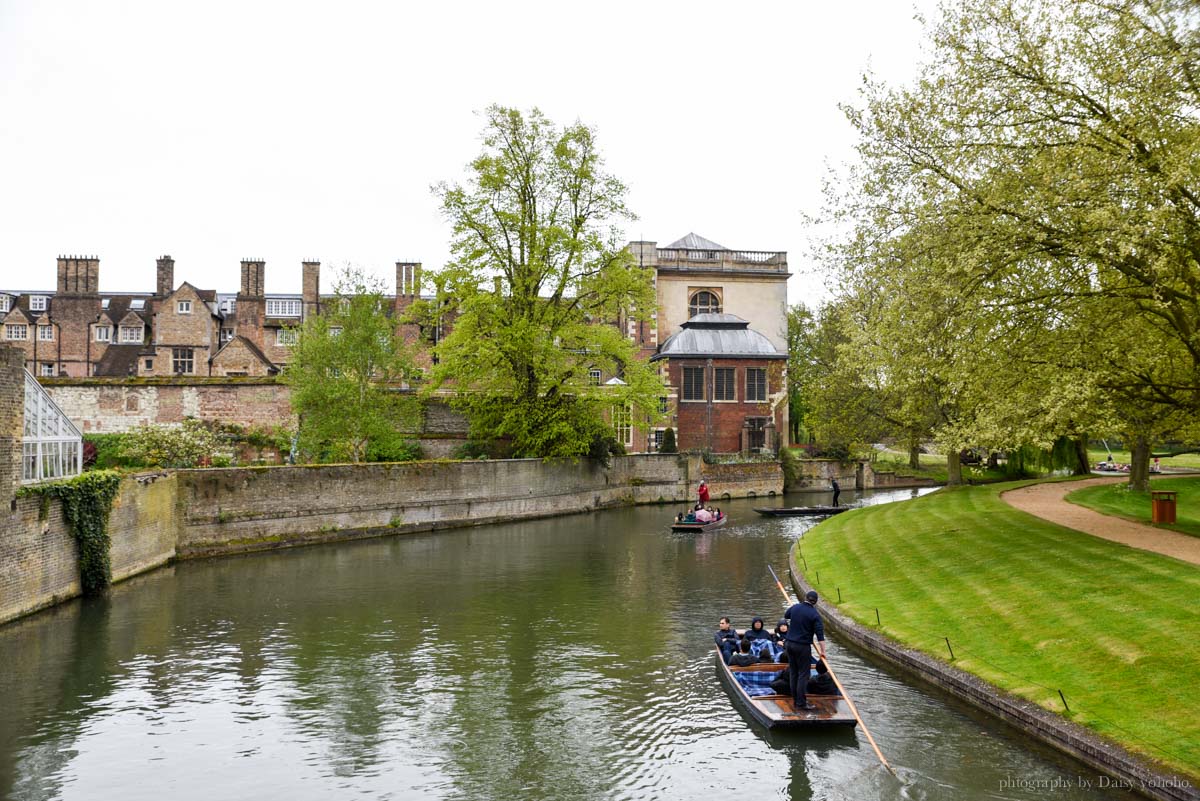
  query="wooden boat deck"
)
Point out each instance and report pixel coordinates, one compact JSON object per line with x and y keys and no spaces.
{"x":778,"y":711}
{"x":700,"y":526}
{"x":800,"y":511}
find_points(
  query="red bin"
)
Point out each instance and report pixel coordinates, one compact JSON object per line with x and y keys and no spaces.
{"x":1162,"y":506}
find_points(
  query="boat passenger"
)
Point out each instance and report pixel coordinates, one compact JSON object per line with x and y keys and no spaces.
{"x":780,"y":633}
{"x":726,"y":639}
{"x":743,"y":658}
{"x":820,"y":682}
{"x":703,"y":516}
{"x":757,"y":630}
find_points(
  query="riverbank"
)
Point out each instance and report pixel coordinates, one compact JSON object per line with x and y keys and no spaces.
{"x":1030,"y":608}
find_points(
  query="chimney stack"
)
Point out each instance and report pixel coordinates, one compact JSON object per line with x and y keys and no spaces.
{"x":253,"y":273}
{"x":311,"y":286}
{"x":408,"y":279}
{"x":78,"y":275}
{"x":166,"y":276}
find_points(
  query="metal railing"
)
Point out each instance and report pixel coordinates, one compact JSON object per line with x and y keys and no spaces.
{"x":723,"y":259}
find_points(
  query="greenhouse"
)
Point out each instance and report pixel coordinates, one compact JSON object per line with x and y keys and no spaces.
{"x":53,"y":446}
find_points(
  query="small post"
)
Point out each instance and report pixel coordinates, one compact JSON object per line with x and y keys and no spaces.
{"x":877,"y":620}
{"x":818,"y":581}
{"x":1064,"y":700}
{"x":839,"y":589}
{"x":805,"y":561}
{"x":948,"y":648}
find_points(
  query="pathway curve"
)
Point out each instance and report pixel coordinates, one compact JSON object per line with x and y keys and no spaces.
{"x":1048,"y":501}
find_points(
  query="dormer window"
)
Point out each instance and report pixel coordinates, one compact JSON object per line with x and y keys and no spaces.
{"x":103,"y":333}
{"x":183,"y":307}
{"x":131,"y":333}
{"x":37,"y":302}
{"x":5,"y":303}
{"x":283,"y":308}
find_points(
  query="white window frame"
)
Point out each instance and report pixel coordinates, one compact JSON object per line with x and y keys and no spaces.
{"x":683,"y":398}
{"x":102,"y":333}
{"x":281,"y":307}
{"x":335,"y":331}
{"x":13,"y":328}
{"x":730,"y":385}
{"x":183,"y":307}
{"x":286,"y":337}
{"x":38,"y":302}
{"x":594,"y":377}
{"x":132,"y":333}
{"x":45,"y":333}
{"x":52,"y":446}
{"x":623,"y":425}
{"x":5,"y":302}
{"x":226,"y":335}
{"x":46,"y":370}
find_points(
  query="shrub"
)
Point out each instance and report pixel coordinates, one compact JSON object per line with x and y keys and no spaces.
{"x":107,"y":449}
{"x":668,"y":443}
{"x":188,"y":445}
{"x":394,"y":449}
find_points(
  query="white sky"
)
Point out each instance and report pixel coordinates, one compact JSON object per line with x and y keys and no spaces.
{"x":220,"y":130}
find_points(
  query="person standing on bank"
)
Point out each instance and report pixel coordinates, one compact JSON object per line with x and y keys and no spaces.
{"x":836,"y":491}
{"x":703,"y":494}
{"x":804,"y":622}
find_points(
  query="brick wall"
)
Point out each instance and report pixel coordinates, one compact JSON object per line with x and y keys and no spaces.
{"x":12,"y":417}
{"x":38,"y":562}
{"x":717,"y":425}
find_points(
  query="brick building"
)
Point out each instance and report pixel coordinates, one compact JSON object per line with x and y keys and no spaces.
{"x":79,"y":331}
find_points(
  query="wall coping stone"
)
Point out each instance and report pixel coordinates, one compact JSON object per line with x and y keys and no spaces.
{"x":1070,"y":738}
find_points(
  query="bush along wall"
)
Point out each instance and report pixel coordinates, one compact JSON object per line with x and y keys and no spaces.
{"x":87,"y":503}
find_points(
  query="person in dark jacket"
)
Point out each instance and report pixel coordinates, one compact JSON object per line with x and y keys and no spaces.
{"x":780,"y":633}
{"x":836,"y":491}
{"x":804,"y":623}
{"x":757,"y":630}
{"x":726,"y":639}
{"x":743,"y":658}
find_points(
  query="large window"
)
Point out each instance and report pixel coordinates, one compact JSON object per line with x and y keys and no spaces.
{"x":703,"y":302}
{"x":756,"y":384}
{"x":5,"y":302}
{"x":725,"y":384}
{"x":16,"y":331}
{"x":37,"y":302}
{"x":183,"y":361}
{"x":286,"y":337}
{"x":693,"y":384}
{"x":46,"y":333}
{"x":283,"y":308}
{"x":622,"y":417}
{"x":131,"y":333}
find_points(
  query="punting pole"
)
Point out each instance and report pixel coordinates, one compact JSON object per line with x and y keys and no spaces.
{"x":838,"y":682}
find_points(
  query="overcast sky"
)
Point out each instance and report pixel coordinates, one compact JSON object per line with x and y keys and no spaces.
{"x":288,"y":130}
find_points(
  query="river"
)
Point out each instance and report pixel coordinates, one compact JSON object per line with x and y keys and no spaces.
{"x":556,"y":659}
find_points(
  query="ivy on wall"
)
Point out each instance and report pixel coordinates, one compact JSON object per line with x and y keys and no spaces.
{"x":87,"y":502}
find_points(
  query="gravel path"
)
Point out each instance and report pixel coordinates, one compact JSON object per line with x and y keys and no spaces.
{"x":1047,"y":501}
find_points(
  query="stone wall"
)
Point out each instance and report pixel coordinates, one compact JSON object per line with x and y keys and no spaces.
{"x":39,"y":565}
{"x":235,"y":509}
{"x":744,"y":480}
{"x":12,"y":419}
{"x":814,"y":475}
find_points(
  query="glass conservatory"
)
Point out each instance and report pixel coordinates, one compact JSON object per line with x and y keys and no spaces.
{"x":53,"y":446}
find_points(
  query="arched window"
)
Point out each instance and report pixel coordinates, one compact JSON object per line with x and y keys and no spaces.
{"x":703,"y":302}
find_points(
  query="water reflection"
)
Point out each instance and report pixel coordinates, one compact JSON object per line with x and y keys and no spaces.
{"x":563,"y":658}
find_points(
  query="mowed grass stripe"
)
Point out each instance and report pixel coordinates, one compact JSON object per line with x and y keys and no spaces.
{"x":1031,"y":607}
{"x":1118,"y":500}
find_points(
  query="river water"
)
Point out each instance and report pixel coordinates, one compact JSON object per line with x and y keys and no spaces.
{"x":556,"y":659}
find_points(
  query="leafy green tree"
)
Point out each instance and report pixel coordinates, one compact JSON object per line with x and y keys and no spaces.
{"x":1045,"y":163}
{"x":191,"y":444}
{"x":346,"y":366}
{"x":540,"y":289}
{"x":668,"y":443}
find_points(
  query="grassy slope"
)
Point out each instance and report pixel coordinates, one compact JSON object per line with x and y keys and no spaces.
{"x":1118,"y":500}
{"x":1031,"y":607}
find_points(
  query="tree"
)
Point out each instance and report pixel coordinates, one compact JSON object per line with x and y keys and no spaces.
{"x":1046,"y":159}
{"x":668,"y":443}
{"x":541,"y":288}
{"x":345,"y":366}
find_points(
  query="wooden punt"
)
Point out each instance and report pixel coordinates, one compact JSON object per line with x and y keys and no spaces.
{"x":800,"y":511}
{"x":720,"y":521}
{"x":777,"y":711}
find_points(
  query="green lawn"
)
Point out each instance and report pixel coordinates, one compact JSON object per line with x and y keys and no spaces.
{"x":1029,"y":606}
{"x":1190,"y":461}
{"x":1119,"y":500}
{"x":933,"y":465}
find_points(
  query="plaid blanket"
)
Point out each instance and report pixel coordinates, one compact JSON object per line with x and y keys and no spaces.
{"x":758,"y":646}
{"x":757,"y":682}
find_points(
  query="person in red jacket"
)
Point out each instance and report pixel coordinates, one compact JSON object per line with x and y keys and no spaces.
{"x":703,"y":494}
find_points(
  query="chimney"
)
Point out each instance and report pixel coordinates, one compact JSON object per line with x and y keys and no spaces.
{"x":78,"y":275}
{"x":253,"y":272}
{"x":408,"y":278}
{"x":311,"y":287}
{"x":166,"y":276}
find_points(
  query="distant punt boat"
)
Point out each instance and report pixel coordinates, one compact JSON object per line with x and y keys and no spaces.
{"x":777,"y":711}
{"x":709,"y":526}
{"x":799,"y":511}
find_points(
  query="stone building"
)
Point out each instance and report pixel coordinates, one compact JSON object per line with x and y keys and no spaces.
{"x":79,"y":331}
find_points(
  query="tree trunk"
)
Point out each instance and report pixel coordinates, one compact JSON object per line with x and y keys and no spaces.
{"x":914,"y":455}
{"x":1083,"y":464}
{"x":993,"y":462}
{"x":1139,"y":465}
{"x":953,"y":468}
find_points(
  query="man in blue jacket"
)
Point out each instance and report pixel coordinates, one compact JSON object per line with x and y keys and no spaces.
{"x":804,"y":622}
{"x":726,"y":639}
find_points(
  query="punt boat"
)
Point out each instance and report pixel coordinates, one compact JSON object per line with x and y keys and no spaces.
{"x":776,"y":711}
{"x":800,"y":511}
{"x":695,"y":526}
